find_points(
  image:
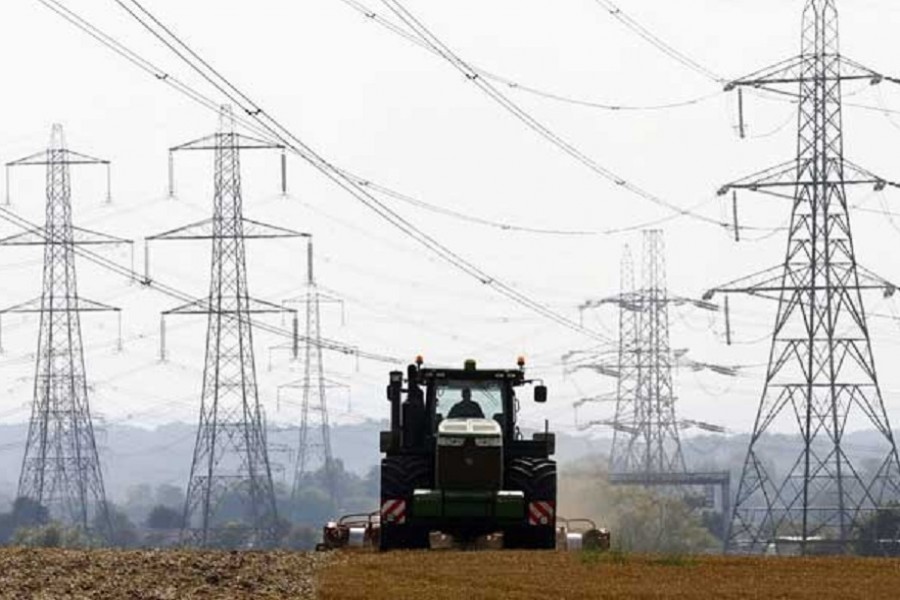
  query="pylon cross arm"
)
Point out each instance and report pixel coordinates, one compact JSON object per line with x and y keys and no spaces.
{"x":701,"y":304}
{"x":202,"y":306}
{"x":37,"y":236}
{"x":873,"y":280}
{"x":764,"y":279}
{"x":327,"y":383}
{"x":608,"y":397}
{"x":205,"y":230}
{"x":793,"y":71}
{"x":62,"y":157}
{"x":75,"y":304}
{"x":240,"y":142}
{"x":771,"y":282}
{"x":603,"y":369}
{"x":784,"y":69}
{"x":785,"y":175}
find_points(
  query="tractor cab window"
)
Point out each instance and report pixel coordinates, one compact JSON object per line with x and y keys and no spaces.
{"x":468,"y":400}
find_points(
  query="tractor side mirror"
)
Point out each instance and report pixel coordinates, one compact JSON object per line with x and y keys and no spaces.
{"x":540,"y":394}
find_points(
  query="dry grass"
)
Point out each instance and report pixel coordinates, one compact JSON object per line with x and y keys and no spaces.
{"x":155,"y":575}
{"x":550,"y":575}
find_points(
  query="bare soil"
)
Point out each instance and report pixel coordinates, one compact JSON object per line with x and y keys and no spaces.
{"x":43,"y":574}
{"x":548,"y":575}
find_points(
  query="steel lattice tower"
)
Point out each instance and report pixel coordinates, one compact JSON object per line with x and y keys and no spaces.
{"x":314,"y":449}
{"x":646,"y":449}
{"x":656,"y":436}
{"x":61,"y":466}
{"x":821,"y":373}
{"x":625,"y":456}
{"x":646,"y":438}
{"x":230,"y":460}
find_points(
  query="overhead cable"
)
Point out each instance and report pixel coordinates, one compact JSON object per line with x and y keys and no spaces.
{"x":532,"y":123}
{"x":276,"y":131}
{"x":658,"y":42}
{"x":132,"y":275}
{"x":513,"y":84}
{"x":510,"y":226}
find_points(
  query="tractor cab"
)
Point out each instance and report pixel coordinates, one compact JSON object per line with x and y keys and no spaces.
{"x":438,"y":395}
{"x":471,"y":394}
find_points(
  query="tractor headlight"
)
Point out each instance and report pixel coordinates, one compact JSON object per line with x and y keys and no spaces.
{"x":451,"y":441}
{"x":489,"y":442}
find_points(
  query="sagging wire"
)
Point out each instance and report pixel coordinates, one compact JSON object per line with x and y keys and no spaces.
{"x":372,"y":16}
{"x":532,"y":123}
{"x":277,"y":132}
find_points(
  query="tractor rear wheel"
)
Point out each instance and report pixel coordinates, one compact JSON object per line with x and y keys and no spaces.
{"x":400,"y":477}
{"x":536,"y":478}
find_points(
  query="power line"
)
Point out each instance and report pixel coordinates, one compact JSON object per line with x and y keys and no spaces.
{"x":204,"y":100}
{"x":674,"y":53}
{"x":209,"y":103}
{"x":266,"y":126}
{"x":131,"y":275}
{"x":532,"y":123}
{"x":659,"y":43}
{"x":284,"y":136}
{"x":513,"y":84}
{"x":509,"y":226}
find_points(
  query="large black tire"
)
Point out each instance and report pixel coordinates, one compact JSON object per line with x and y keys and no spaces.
{"x":400,"y":476}
{"x":536,"y":477}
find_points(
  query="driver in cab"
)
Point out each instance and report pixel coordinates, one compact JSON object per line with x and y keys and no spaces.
{"x":466,"y":408}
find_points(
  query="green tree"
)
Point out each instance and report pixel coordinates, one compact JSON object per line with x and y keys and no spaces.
{"x":123,"y":532}
{"x":879,"y":534}
{"x":170,"y":495}
{"x":302,"y":537}
{"x":53,"y":535}
{"x":138,"y":499}
{"x":640,"y":520}
{"x":164,"y":517}
{"x":232,"y":535}
{"x":25,"y":513}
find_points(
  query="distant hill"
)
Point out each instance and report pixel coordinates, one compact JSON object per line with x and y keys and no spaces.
{"x":132,"y":456}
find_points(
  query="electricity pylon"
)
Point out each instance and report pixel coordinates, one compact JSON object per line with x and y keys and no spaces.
{"x":314,"y":447}
{"x":645,"y":428}
{"x":646,"y":449}
{"x":656,"y":437}
{"x":230,"y":463}
{"x":625,"y":454}
{"x":61,"y":466}
{"x":821,"y":375}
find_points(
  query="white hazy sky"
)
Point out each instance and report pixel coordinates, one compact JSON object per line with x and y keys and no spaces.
{"x":389,"y":111}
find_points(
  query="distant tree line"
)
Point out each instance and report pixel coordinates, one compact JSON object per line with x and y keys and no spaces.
{"x":153,"y":517}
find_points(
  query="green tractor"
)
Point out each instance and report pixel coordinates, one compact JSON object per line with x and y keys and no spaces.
{"x":456,"y":463}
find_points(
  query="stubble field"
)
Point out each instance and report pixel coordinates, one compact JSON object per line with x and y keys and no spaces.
{"x":551,"y":575}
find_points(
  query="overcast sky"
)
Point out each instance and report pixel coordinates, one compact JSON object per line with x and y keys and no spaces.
{"x":384,"y":108}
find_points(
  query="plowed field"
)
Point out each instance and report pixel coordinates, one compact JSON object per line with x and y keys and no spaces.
{"x":551,"y":575}
{"x":437,"y":575}
{"x":158,"y":575}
